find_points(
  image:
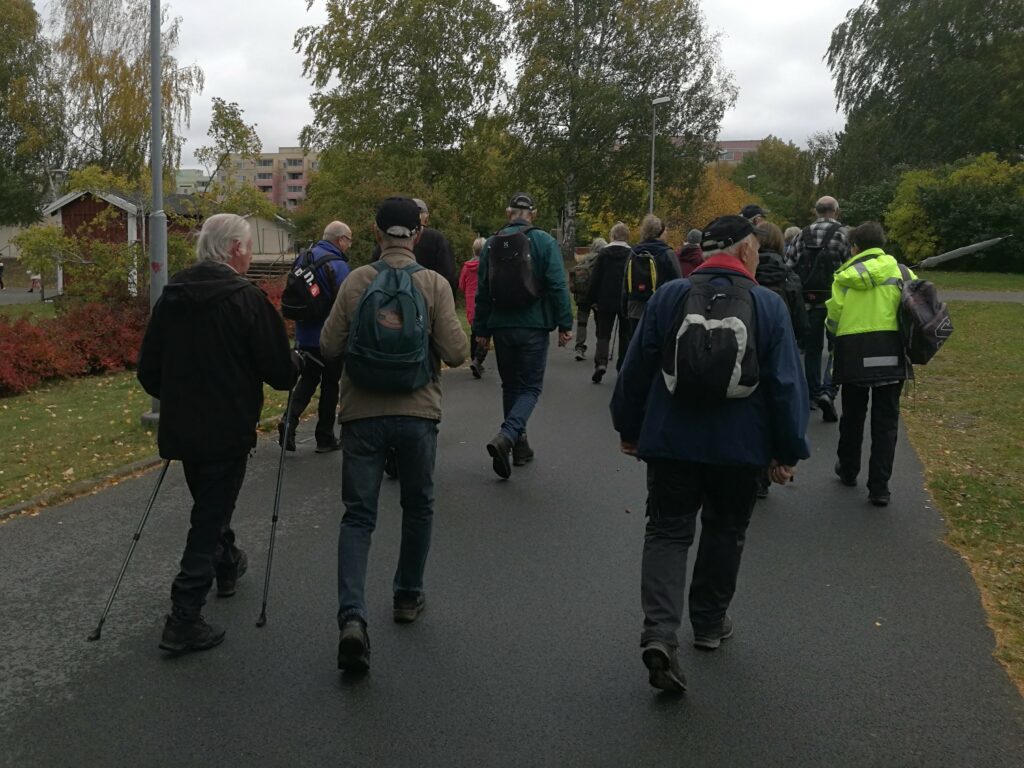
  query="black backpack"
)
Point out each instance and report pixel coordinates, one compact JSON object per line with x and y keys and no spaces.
{"x":306,"y":298}
{"x":640,"y":280}
{"x":924,"y":321}
{"x":510,"y":278}
{"x":711,"y":353}
{"x":816,"y":265}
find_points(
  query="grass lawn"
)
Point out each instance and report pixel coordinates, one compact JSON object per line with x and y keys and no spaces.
{"x":974,"y":281}
{"x":36,"y":310}
{"x":966,"y":420}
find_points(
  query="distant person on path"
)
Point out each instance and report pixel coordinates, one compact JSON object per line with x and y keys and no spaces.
{"x":870,"y":364}
{"x":639,"y":286}
{"x":212,"y":342}
{"x":818,"y":251}
{"x":789,"y":237}
{"x":755,"y":214}
{"x":432,"y":249}
{"x":690,"y":256}
{"x":336,"y":241}
{"x":605,"y":299}
{"x":2,"y":286}
{"x":386,"y":408}
{"x":706,"y":442}
{"x":522,"y":297}
{"x":580,"y":279}
{"x":468,"y":281}
{"x":35,"y":281}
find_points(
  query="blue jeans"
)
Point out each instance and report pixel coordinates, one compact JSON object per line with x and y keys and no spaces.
{"x":818,"y":382}
{"x":364,"y":444}
{"x":522,"y":357}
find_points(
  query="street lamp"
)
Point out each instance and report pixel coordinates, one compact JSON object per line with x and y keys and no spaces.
{"x":751,"y":176}
{"x":654,"y":129}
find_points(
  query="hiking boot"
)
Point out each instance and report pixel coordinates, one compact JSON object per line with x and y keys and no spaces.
{"x":391,"y":463}
{"x":709,"y":638}
{"x":408,"y":606}
{"x":290,"y":445}
{"x":598,"y":374}
{"x":333,"y":445}
{"x":663,"y":670}
{"x":880,"y":499}
{"x":227,"y":578}
{"x":500,"y":449}
{"x":848,"y":479}
{"x":477,"y":369}
{"x":185,"y":636}
{"x":354,"y":647}
{"x":521,"y":451}
{"x":581,"y":354}
{"x":828,"y":408}
{"x":763,"y":484}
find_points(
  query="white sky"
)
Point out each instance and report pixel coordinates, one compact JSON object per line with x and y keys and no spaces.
{"x":774,"y":51}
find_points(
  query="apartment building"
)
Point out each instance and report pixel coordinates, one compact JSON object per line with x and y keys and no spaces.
{"x":190,"y":181}
{"x":732,"y":152}
{"x":282,"y":176}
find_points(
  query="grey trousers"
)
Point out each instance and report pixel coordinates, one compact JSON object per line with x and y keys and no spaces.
{"x":582,"y":318}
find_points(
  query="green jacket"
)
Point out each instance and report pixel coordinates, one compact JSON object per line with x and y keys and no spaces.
{"x":863,"y":314}
{"x":552,"y":310}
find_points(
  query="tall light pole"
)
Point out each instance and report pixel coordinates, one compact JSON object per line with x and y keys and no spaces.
{"x":654,"y":130}
{"x":157,"y":218}
{"x":750,"y":178}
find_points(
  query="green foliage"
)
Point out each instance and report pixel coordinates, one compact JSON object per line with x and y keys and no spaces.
{"x":784,"y":181}
{"x":42,"y":248}
{"x":230,"y":135}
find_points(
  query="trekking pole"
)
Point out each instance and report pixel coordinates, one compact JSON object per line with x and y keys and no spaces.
{"x":615,"y":335}
{"x":262,"y":620}
{"x":95,"y":634}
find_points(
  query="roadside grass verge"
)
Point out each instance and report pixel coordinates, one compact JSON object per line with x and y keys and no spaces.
{"x":36,"y":310}
{"x":966,"y":421}
{"x":973,"y":281}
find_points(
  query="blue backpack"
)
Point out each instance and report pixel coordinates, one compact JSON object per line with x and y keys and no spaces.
{"x":389,"y":343}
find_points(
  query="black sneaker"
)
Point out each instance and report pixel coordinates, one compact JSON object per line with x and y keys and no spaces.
{"x":290,"y":446}
{"x":828,"y":408}
{"x":354,"y":647}
{"x":408,"y":606}
{"x":477,"y":368}
{"x":521,"y":451}
{"x":227,"y":578}
{"x":709,"y":638}
{"x":333,"y":445}
{"x":598,"y":374}
{"x":391,"y":463}
{"x":880,"y":499}
{"x":848,"y":479}
{"x":184,"y":636}
{"x":663,"y":670}
{"x":500,"y":449}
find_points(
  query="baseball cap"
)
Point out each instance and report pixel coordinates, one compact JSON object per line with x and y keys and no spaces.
{"x":421,"y":205}
{"x":398,"y":217}
{"x":750,"y":211}
{"x":725,"y":231}
{"x":523,"y":201}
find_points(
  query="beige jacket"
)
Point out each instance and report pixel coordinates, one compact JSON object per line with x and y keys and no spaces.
{"x":448,"y":342}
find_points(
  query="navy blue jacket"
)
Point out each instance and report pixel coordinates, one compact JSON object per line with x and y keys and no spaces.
{"x":307,"y":335}
{"x":751,"y":431}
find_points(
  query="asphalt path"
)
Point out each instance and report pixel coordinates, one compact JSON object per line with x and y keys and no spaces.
{"x":860,"y":637}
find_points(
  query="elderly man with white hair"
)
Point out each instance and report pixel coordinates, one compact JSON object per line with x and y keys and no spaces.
{"x":212,"y":342}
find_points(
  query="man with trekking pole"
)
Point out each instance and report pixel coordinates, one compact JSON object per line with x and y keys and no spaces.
{"x":212,"y":341}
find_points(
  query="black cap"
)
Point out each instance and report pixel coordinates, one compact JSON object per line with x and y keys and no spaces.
{"x":523,"y":201}
{"x":398,"y":217}
{"x":725,"y":231}
{"x":750,"y":211}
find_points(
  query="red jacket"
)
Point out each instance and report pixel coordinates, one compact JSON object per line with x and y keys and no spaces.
{"x":690,"y":257}
{"x":468,"y":280}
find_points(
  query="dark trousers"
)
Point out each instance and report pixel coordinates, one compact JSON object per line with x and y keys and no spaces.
{"x":605,"y":322}
{"x":676,"y":491}
{"x":819,"y":380}
{"x":328,"y":378}
{"x":364,"y":445}
{"x":582,"y":318}
{"x":885,"y":419}
{"x":522,"y":359}
{"x":210,"y":548}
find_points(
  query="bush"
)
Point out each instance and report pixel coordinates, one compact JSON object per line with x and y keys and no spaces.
{"x":84,"y":339}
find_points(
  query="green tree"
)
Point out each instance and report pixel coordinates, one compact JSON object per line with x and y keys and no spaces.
{"x":588,"y":72}
{"x":784,"y":180}
{"x":101,"y":50}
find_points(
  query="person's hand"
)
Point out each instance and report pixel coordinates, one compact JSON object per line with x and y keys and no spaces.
{"x":628,"y":447}
{"x":483,"y":341}
{"x":564,"y":337}
{"x":780,"y":474}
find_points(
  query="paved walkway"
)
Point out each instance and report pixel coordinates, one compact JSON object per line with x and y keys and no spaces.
{"x":860,"y":639}
{"x":1013,"y":297}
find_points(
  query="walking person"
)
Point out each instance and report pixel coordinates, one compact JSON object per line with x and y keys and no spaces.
{"x":387,"y":407}
{"x":433,"y":250}
{"x":579,"y":284}
{"x":706,"y":440}
{"x":605,"y":299}
{"x":212,"y":342}
{"x":863,"y":313}
{"x":652,"y":264}
{"x":522,"y":297}
{"x":468,"y":281}
{"x":690,"y":256}
{"x":330,"y":253}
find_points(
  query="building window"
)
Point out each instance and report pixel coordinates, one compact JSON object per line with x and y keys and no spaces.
{"x":294,"y":176}
{"x":293,"y":162}
{"x":264,"y":175}
{"x":291,"y":203}
{"x":266,"y":190}
{"x":295,"y":188}
{"x":314,"y":165}
{"x":265,"y":163}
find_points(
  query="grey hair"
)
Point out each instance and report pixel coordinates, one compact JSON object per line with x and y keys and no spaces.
{"x":619,"y":232}
{"x":523,"y":213}
{"x":791,"y":232}
{"x":478,"y":246}
{"x":334,"y":230}
{"x":218,"y":233}
{"x":734,"y":249}
{"x":651,"y":227}
{"x":390,"y":241}
{"x":598,"y":244}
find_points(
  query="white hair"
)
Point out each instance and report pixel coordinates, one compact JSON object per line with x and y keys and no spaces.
{"x":390,"y":241}
{"x":334,"y":230}
{"x":218,"y":233}
{"x":478,"y":246}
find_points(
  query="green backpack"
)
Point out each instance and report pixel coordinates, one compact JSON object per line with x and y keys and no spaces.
{"x":389,"y":343}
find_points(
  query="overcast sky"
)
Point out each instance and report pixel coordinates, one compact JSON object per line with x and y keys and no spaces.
{"x":774,"y":51}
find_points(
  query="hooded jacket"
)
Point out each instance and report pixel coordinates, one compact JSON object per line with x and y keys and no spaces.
{"x":668,"y":269}
{"x":468,"y":280}
{"x":307,"y":335}
{"x":863,"y":313}
{"x":773,"y":273}
{"x":690,"y":257}
{"x":605,"y":292}
{"x":212,"y":341}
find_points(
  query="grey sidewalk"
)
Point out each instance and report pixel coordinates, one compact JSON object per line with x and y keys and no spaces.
{"x":860,"y":636}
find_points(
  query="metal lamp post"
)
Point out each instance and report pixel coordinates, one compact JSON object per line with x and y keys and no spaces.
{"x":749,"y":179}
{"x":654,"y":130}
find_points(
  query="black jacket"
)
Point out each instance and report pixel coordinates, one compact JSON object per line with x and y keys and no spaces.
{"x":433,"y":252}
{"x":773,"y":273}
{"x":605,"y":292}
{"x":212,"y":341}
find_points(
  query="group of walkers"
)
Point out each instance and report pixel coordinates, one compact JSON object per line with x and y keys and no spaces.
{"x":711,"y":391}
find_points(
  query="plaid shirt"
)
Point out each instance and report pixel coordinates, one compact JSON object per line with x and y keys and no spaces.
{"x":838,"y":248}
